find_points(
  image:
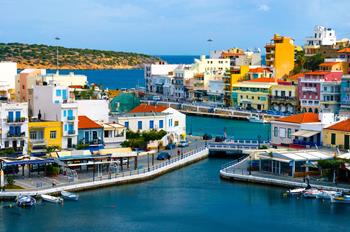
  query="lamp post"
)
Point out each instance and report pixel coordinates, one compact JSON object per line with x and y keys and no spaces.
{"x":57,"y":38}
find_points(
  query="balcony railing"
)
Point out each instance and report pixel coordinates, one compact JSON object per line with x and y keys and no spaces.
{"x":71,"y":132}
{"x":70,"y":118}
{"x":15,"y":135}
{"x":16,"y":120}
{"x":309,"y":89}
{"x":281,"y":98}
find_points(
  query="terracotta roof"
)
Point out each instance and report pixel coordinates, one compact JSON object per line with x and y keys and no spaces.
{"x":317,"y":73}
{"x":86,"y":123}
{"x":145,"y":108}
{"x":225,"y":54}
{"x":296,"y":76}
{"x":345,"y":50}
{"x":300,"y":118}
{"x":341,"y":126}
{"x":259,"y":70}
{"x":325,"y":64}
{"x":75,"y":86}
{"x":263,"y":80}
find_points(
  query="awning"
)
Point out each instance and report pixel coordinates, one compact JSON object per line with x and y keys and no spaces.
{"x":305,"y":133}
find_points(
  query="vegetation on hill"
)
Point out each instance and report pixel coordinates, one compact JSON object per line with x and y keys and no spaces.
{"x":307,"y":63}
{"x":44,"y":56}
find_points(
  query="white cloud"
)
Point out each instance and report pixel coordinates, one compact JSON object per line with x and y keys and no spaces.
{"x":263,"y":7}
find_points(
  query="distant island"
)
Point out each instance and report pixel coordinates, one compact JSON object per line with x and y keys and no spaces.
{"x":44,"y":56}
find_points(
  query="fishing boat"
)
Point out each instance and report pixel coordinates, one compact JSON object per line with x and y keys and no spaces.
{"x":25,"y":201}
{"x":51,"y":199}
{"x":324,"y":194}
{"x":257,"y":119}
{"x":69,"y":196}
{"x":296,"y":191}
{"x":311,"y":193}
{"x":345,"y":199}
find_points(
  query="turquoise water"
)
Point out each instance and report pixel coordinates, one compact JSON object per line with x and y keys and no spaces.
{"x":237,"y":129}
{"x":190,"y":199}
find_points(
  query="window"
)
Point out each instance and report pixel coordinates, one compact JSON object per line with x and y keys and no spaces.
{"x":176,"y":123}
{"x":7,"y":144}
{"x":275,"y":131}
{"x":32,"y":135}
{"x":289,"y":133}
{"x":161,"y":123}
{"x":151,"y":124}
{"x":53,"y":134}
{"x":106,"y":133}
{"x":65,"y":113}
{"x":65,"y":127}
{"x":126,"y":124}
{"x":170,"y":122}
{"x":64,"y":94}
{"x":58,"y":92}
{"x":139,"y":125}
{"x":333,"y":139}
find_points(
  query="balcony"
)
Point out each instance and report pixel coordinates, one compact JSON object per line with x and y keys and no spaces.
{"x":283,"y":99}
{"x":70,"y":118}
{"x":71,"y":132}
{"x":16,"y":135}
{"x":309,"y":89}
{"x":15,"y":120}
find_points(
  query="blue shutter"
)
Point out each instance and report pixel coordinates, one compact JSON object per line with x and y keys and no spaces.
{"x":161,"y":123}
{"x":58,"y":92}
{"x":139,"y":125}
{"x":126,"y":124}
{"x":10,"y":116}
{"x":151,"y":124}
{"x":64,"y":94}
{"x":18,"y":115}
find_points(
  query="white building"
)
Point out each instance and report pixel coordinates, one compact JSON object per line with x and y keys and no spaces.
{"x":147,"y":117}
{"x":156,"y":71}
{"x":65,"y":80}
{"x":53,"y":103}
{"x":322,"y":36}
{"x":96,"y":110}
{"x":8,"y":72}
{"x":14,"y":126}
{"x":113,"y":134}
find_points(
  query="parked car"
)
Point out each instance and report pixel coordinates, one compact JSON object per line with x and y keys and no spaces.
{"x":219,"y":139}
{"x":163,"y":156}
{"x":156,"y":98}
{"x":207,"y":136}
{"x":183,"y":143}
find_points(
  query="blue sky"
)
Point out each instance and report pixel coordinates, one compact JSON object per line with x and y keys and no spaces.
{"x":167,"y":26}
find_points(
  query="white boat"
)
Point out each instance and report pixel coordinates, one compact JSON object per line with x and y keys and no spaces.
{"x":25,"y":201}
{"x":296,"y":191}
{"x":311,"y":193}
{"x":257,"y":119}
{"x":51,"y":199}
{"x":69,"y":196}
{"x":341,"y":199}
{"x":324,"y":194}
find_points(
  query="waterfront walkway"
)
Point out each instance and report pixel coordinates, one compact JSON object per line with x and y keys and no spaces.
{"x":238,"y":171}
{"x":119,"y":178}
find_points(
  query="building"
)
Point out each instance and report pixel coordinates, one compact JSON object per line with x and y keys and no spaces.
{"x":259,"y":72}
{"x":345,"y":95}
{"x":284,"y":97}
{"x":148,"y":117}
{"x":334,"y":65}
{"x":64,"y":80}
{"x":337,"y":135}
{"x":239,"y":57}
{"x":97,"y":110}
{"x":8,"y":72}
{"x":300,"y":130}
{"x":90,"y":133}
{"x":14,"y":126}
{"x":231,"y":77}
{"x":344,"y":54}
{"x":43,"y":135}
{"x":153,"y":72}
{"x":53,"y":103}
{"x":113,"y":134}
{"x":319,"y":91}
{"x":216,"y":91}
{"x":124,"y":102}
{"x":321,"y":36}
{"x":280,"y":55}
{"x":253,"y":94}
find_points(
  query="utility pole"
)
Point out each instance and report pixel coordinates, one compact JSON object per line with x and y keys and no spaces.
{"x":57,"y":38}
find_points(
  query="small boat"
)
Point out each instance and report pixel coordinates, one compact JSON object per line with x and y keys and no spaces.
{"x":296,"y":191}
{"x":257,"y":119}
{"x":324,"y":194}
{"x":25,"y":201}
{"x":51,"y":199}
{"x":69,"y":196}
{"x":311,"y":193}
{"x":345,"y":199}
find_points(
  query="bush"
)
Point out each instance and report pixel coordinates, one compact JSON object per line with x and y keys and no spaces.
{"x":52,"y":170}
{"x":10,"y":180}
{"x":81,"y":146}
{"x":7,"y":151}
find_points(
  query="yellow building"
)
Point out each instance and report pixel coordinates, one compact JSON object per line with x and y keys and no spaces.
{"x":284,"y":97}
{"x":335,"y":66}
{"x":280,"y":55}
{"x":337,"y":135}
{"x":232,"y":77}
{"x":43,"y":134}
{"x":253,"y":94}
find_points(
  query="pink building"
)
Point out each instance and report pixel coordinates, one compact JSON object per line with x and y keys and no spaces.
{"x":319,"y":91}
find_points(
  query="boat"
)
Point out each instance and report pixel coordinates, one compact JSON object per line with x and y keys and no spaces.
{"x":324,"y":194}
{"x":345,"y":199}
{"x":257,"y":119}
{"x":51,"y":199}
{"x":311,"y":193}
{"x":296,"y":191}
{"x":25,"y":201}
{"x":69,"y":196}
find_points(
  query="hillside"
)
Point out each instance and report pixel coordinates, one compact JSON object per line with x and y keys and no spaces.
{"x":44,"y":56}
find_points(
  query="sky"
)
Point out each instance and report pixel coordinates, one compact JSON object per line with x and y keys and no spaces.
{"x":167,"y":27}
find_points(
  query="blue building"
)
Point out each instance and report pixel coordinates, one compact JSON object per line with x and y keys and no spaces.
{"x":345,"y":95}
{"x":90,"y":133}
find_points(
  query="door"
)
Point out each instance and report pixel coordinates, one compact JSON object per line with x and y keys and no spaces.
{"x":346,"y":142}
{"x":14,"y":144}
{"x":69,"y":142}
{"x":86,"y":136}
{"x":10,"y":116}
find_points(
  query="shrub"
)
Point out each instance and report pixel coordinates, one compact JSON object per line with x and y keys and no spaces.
{"x":10,"y":180}
{"x":52,"y":170}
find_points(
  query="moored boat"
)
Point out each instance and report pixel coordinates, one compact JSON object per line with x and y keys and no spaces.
{"x":69,"y":196}
{"x":51,"y":199}
{"x":324,"y":194}
{"x":345,"y":199}
{"x":296,"y":191}
{"x":257,"y":119}
{"x":25,"y":201}
{"x":311,"y":193}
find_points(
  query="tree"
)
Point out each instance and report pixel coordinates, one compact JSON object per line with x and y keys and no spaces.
{"x":331,"y":165}
{"x":313,"y":62}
